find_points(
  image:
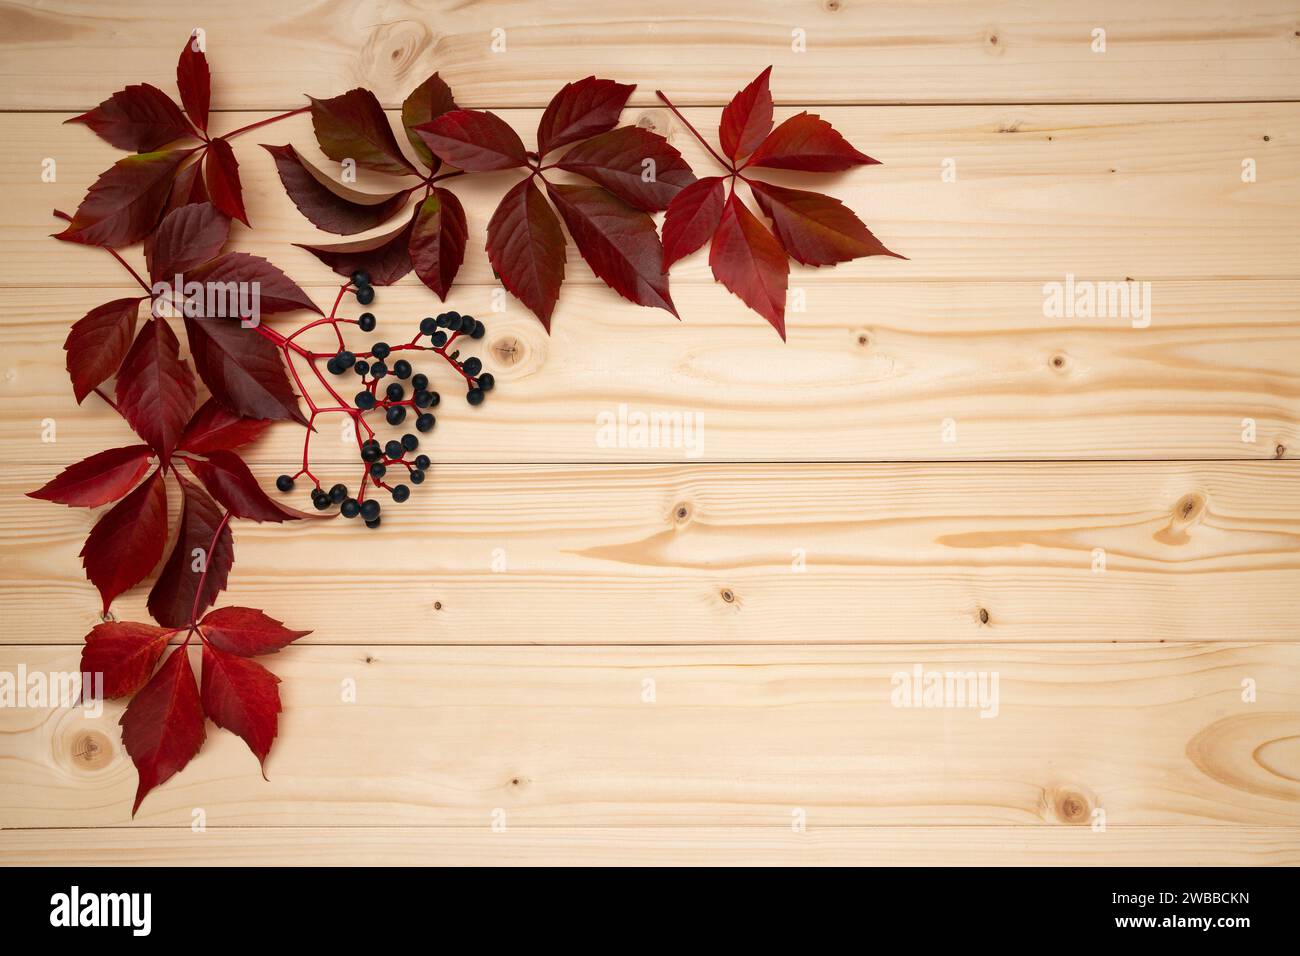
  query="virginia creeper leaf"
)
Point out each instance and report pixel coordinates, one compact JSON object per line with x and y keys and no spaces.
{"x":188,"y":188}
{"x":155,"y":387}
{"x":124,"y":204}
{"x":125,"y":653}
{"x":438,"y":238}
{"x":103,"y":477}
{"x":187,"y":237}
{"x":693,"y":216}
{"x":194,"y":80}
{"x":816,"y":230}
{"x":474,"y":140}
{"x":241,"y":696}
{"x":622,"y":159}
{"x":276,"y":292}
{"x":426,"y":103}
{"x":526,"y":248}
{"x":127,"y":541}
{"x":581,"y":109}
{"x":242,"y":370}
{"x":353,"y":126}
{"x":750,"y":262}
{"x":747,"y":118}
{"x":329,"y":205}
{"x":172,"y":601}
{"x":226,"y":476}
{"x":140,"y":118}
{"x":807,"y":142}
{"x":162,"y":728}
{"x":223,"y":180}
{"x":97,"y":343}
{"x":214,"y":427}
{"x":246,"y":631}
{"x":387,"y":258}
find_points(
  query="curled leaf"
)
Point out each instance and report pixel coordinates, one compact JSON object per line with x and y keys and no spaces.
{"x":353,"y":126}
{"x":200,"y":554}
{"x":329,"y":205}
{"x":386,"y":258}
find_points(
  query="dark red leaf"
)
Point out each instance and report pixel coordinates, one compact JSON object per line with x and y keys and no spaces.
{"x":747,"y":118}
{"x":438,"y":240}
{"x":619,"y":243}
{"x":692,"y":218}
{"x":579,"y":110}
{"x":426,"y":103}
{"x":241,"y":696}
{"x":195,"y":82}
{"x":474,"y":140}
{"x":103,"y":477}
{"x":127,"y":541}
{"x":97,"y":343}
{"x":809,"y":143}
{"x":329,"y":205}
{"x":124,"y":204}
{"x":353,"y":126}
{"x":816,"y":230}
{"x":387,"y":258}
{"x":162,"y":728}
{"x":125,"y":653}
{"x":155,"y":387}
{"x":276,"y":292}
{"x":214,"y":427}
{"x":636,"y":165}
{"x":188,"y":188}
{"x":223,"y":180}
{"x":526,"y":248}
{"x":226,"y":476}
{"x":242,"y":370}
{"x":139,"y":118}
{"x":186,"y":237}
{"x":198,"y":546}
{"x":246,"y":631}
{"x":750,"y":262}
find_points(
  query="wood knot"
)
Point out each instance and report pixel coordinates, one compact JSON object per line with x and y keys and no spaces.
{"x":507,"y":351}
{"x":1072,"y":807}
{"x":1279,"y":451}
{"x":831,"y":6}
{"x":1190,"y":506}
{"x":1058,"y":361}
{"x":728,"y":596}
{"x":863,"y":339}
{"x":107,"y":617}
{"x":682,"y":513}
{"x":393,"y":50}
{"x":984,"y":615}
{"x":91,"y":750}
{"x":993,"y":43}
{"x":437,"y":605}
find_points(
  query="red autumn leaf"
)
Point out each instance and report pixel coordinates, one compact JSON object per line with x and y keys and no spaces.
{"x":816,"y":230}
{"x":97,"y":343}
{"x":194,"y":80}
{"x":750,"y":262}
{"x":386,"y":258}
{"x":188,"y":188}
{"x":172,"y":601}
{"x":162,"y":728}
{"x":426,"y":103}
{"x":474,"y":140}
{"x":103,"y":477}
{"x":246,"y":631}
{"x":226,"y":476}
{"x":585,"y":108}
{"x":692,"y":218}
{"x":619,"y":243}
{"x":140,"y":118}
{"x":636,"y":165}
{"x":329,"y":205}
{"x":124,"y":204}
{"x":214,"y":427}
{"x":276,"y":292}
{"x":243,"y":371}
{"x":526,"y":248}
{"x":353,"y":126}
{"x":747,"y":118}
{"x":809,"y":143}
{"x":127,"y":541}
{"x":438,"y":237}
{"x":155,"y":387}
{"x":125,"y":653}
{"x":223,"y":180}
{"x":241,"y":696}
{"x":187,"y":237}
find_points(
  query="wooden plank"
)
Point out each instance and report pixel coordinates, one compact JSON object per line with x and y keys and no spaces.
{"x":1150,"y":735}
{"x":1099,"y":192}
{"x":713,"y":554}
{"x":656,"y":846}
{"x":71,"y":53}
{"x":869,"y":373}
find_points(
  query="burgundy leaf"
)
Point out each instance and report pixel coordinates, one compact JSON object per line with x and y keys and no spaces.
{"x":139,"y":118}
{"x":127,"y":541}
{"x":426,"y":103}
{"x":155,"y":388}
{"x":438,"y":238}
{"x":276,"y":292}
{"x":241,"y":696}
{"x":619,"y":243}
{"x":747,"y":118}
{"x":750,"y":262}
{"x":807,"y":142}
{"x":124,"y":653}
{"x":579,"y":110}
{"x":636,"y":165}
{"x":816,"y":230}
{"x":246,"y":631}
{"x":97,"y":343}
{"x":195,"y":82}
{"x":198,"y":546}
{"x":187,"y":236}
{"x":692,"y":218}
{"x":387,"y":258}
{"x":124,"y":204}
{"x":242,"y":370}
{"x":188,"y":188}
{"x":474,"y":141}
{"x":162,"y":728}
{"x":226,"y":476}
{"x":526,"y":248}
{"x":214,"y":427}
{"x":353,"y":126}
{"x":329,"y":205}
{"x":103,"y":477}
{"x":223,"y":180}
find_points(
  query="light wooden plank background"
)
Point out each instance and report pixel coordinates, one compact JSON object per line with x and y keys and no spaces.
{"x":521,"y":691}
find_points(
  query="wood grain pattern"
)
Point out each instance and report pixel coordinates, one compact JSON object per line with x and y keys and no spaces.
{"x":1151,"y":734}
{"x":67,"y":54}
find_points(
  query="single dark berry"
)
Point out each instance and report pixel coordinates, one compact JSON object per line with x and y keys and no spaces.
{"x":425,"y":422}
{"x":284,"y":483}
{"x":479,"y":330}
{"x":410,"y":442}
{"x":370,"y":509}
{"x":378,"y":470}
{"x":322,"y":502}
{"x":402,"y":368}
{"x":419,"y":380}
{"x":361,"y":368}
{"x":436,"y":399}
{"x":361,"y":277}
{"x":350,"y":508}
{"x":453,"y":321}
{"x":345,"y":359}
{"x":472,"y":365}
{"x":474,"y":396}
{"x":334,"y":367}
{"x":380,"y":350}
{"x":378,"y":370}
{"x":401,"y":493}
{"x":422,"y":462}
{"x":338,"y":493}
{"x":396,"y":414}
{"x":417,"y":476}
{"x":364,"y":401}
{"x":486,"y":381}
{"x":393,"y":449}
{"x":441,"y":320}
{"x":423,"y":399}
{"x":395,"y":392}
{"x":439,"y":339}
{"x":365,"y":294}
{"x":371,"y":451}
{"x":428,"y":325}
{"x":373,"y":524}
{"x":366,"y":321}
